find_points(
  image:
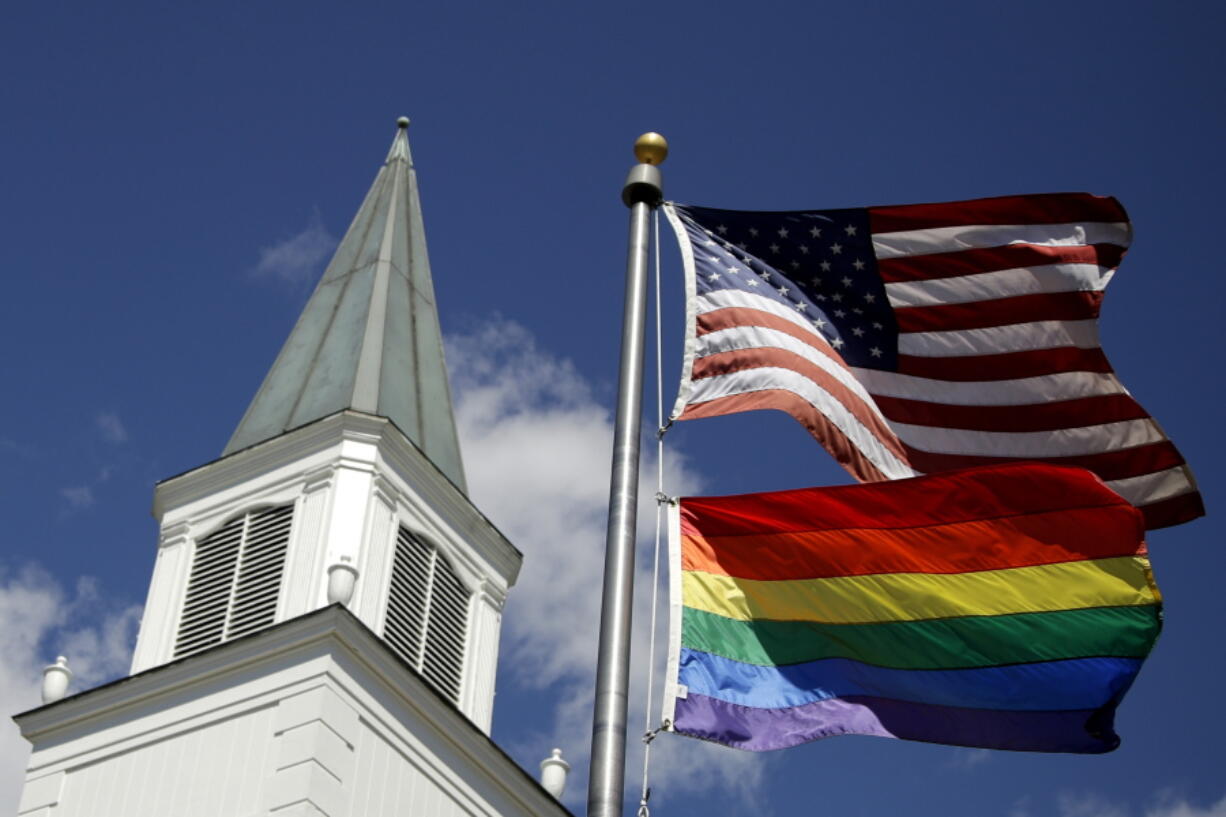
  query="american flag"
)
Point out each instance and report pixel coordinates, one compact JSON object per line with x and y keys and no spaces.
{"x":922,"y":338}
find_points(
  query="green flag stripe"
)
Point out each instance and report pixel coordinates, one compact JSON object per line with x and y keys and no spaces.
{"x":972,"y":641}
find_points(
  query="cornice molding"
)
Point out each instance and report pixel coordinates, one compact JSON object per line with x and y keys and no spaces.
{"x":332,"y":632}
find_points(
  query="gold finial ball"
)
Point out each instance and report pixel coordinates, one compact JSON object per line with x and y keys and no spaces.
{"x":651,"y":148}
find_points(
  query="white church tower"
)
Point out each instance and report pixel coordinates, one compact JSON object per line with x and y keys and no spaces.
{"x":321,"y":630}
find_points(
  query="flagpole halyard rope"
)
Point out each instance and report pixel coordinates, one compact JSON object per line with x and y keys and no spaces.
{"x":662,"y":500}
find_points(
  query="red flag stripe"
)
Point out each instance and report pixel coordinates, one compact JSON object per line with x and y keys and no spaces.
{"x":1173,"y":511}
{"x":1046,"y":208}
{"x":1056,"y":306}
{"x":1005,"y":366}
{"x":737,"y":317}
{"x":1104,"y":408}
{"x":1109,"y":465}
{"x":994,"y":259}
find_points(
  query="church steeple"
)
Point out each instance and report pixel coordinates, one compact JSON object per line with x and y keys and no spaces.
{"x":369,"y":337}
{"x":345,"y":463}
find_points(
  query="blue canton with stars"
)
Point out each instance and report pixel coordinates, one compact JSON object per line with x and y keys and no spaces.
{"x":818,"y":263}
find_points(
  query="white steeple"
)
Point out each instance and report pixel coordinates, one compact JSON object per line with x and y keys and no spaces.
{"x":347,"y":456}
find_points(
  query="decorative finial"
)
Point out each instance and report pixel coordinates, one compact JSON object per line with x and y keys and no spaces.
{"x":553,"y":774}
{"x":402,"y":122}
{"x":55,"y":680}
{"x":651,"y":148}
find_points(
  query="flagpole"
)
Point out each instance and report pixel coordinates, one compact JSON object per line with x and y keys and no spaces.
{"x":606,"y":779}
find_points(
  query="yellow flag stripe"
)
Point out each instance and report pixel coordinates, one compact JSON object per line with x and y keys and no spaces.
{"x":1116,"y":582}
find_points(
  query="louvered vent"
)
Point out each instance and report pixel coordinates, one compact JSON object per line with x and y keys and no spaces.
{"x":427,"y":613}
{"x":235,"y":579}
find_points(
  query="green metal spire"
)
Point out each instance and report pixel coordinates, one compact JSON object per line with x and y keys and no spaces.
{"x":369,"y":338}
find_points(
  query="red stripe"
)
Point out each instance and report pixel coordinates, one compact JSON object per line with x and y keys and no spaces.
{"x":746,"y":359}
{"x":1054,"y":306}
{"x":1119,"y":464}
{"x":825,"y":432}
{"x":1005,"y":366}
{"x":1173,"y":511}
{"x":989,"y":492}
{"x":1044,"y":208}
{"x":1003,"y":541}
{"x":1102,"y":408}
{"x":738,"y":317}
{"x":993,"y":259}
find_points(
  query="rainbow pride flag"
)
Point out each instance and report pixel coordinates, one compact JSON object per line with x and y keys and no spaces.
{"x":1006,"y":607}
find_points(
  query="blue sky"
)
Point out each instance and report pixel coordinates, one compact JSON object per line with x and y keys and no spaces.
{"x":174,"y":176}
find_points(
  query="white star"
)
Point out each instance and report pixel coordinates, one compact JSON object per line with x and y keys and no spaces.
{"x":837,"y":343}
{"x":876,"y":325}
{"x":753,"y":282}
{"x":825,"y":266}
{"x":850,"y":229}
{"x":795,"y":264}
{"x":801,"y":306}
{"x":846,"y":281}
{"x":875,"y":352}
{"x":711,"y":276}
{"x":722,"y":229}
{"x":836,"y":248}
{"x":817,"y":282}
{"x":838,"y":313}
{"x":713,"y":257}
{"x":821,"y":297}
{"x":709,"y":241}
{"x":783,"y":291}
{"x":764,"y":275}
{"x":857,"y":331}
{"x":858,"y":310}
{"x":741,"y":244}
{"x":731,"y":268}
{"x":804,"y":249}
{"x":753,"y":231}
{"x":815,"y":232}
{"x":775,"y":248}
{"x":838,"y":296}
{"x":858,"y":264}
{"x":783,"y":232}
{"x":818,"y":323}
{"x":870,"y":298}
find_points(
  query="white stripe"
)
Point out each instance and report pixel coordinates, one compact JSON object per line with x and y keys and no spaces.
{"x":757,"y":337}
{"x":729,"y":298}
{"x":1020,"y":392}
{"x":975,"y":236}
{"x":991,"y":340}
{"x":1065,"y":442}
{"x":1154,"y":487}
{"x":687,"y":263}
{"x":987,"y":286}
{"x":752,"y":380}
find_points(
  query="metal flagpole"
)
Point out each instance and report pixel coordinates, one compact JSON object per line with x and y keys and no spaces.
{"x":642,"y":192}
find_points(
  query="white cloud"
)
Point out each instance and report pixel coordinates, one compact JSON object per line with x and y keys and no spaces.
{"x":39,"y":620}
{"x":296,"y":260}
{"x":111,"y":427}
{"x":537,"y":447}
{"x":1165,"y":804}
{"x":969,"y":758}
{"x":1088,"y":804}
{"x":79,"y":497}
{"x":1170,"y":806}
